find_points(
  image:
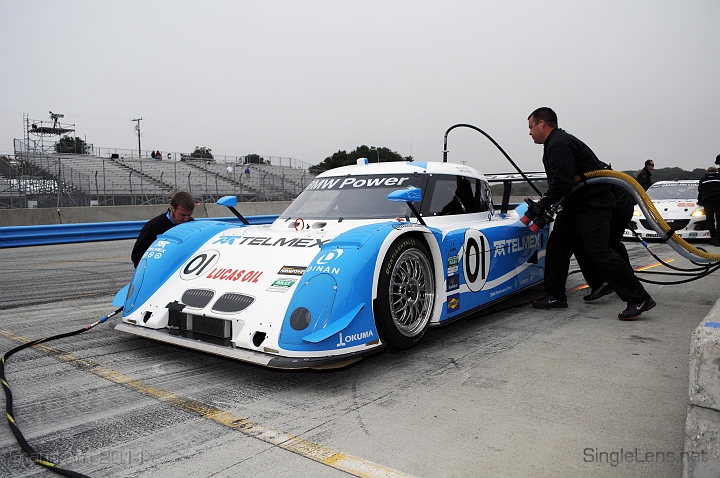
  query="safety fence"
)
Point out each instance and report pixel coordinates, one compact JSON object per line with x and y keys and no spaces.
{"x":23,"y":236}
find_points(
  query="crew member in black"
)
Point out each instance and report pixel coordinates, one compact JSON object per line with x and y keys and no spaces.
{"x":709,"y":199}
{"x":584,"y":218}
{"x":621,"y":216}
{"x":181,"y":209}
{"x":643,"y":176}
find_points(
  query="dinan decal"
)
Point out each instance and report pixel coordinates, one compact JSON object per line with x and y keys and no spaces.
{"x":354,"y":337}
{"x":453,"y":303}
{"x":476,"y":259}
{"x":324,"y":268}
{"x":325,"y":258}
{"x":292,"y":270}
{"x":198,"y":264}
{"x":516,"y":244}
{"x":234,"y":275}
{"x":358,"y":182}
{"x":270,"y":241}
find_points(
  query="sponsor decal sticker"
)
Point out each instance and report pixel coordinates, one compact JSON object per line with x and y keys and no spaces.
{"x":516,"y":244}
{"x":453,"y":303}
{"x":452,"y":264}
{"x":358,"y":182}
{"x":236,"y":275}
{"x":281,"y":285}
{"x":453,"y":282}
{"x":270,"y":241}
{"x":292,"y":270}
{"x":343,"y":340}
{"x":325,"y":258}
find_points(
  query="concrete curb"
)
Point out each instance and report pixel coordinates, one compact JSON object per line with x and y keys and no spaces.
{"x":702,"y":426}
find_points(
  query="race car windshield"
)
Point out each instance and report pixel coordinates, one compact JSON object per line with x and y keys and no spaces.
{"x":353,"y":197}
{"x":673,"y":191}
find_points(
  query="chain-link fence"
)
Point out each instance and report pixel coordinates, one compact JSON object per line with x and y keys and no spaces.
{"x":33,"y":179}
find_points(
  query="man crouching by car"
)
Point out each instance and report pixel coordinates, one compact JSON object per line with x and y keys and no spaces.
{"x":181,"y":210}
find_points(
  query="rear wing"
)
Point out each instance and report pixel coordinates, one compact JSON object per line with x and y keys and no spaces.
{"x":507,"y":179}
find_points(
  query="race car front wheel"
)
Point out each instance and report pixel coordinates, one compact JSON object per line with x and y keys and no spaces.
{"x":406,"y":293}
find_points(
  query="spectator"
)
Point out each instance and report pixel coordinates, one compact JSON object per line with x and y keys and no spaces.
{"x":230,"y":172}
{"x":643,"y":176}
{"x":181,"y":209}
{"x":247,"y":172}
{"x":152,"y":155}
{"x":709,"y":199}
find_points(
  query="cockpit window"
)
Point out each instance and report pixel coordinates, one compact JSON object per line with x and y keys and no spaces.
{"x":673,"y":191}
{"x":354,"y":197}
{"x":452,"y":195}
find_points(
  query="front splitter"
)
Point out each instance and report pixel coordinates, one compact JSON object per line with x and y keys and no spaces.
{"x":257,"y":358}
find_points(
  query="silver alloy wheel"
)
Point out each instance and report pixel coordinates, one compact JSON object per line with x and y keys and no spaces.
{"x":412,"y":292}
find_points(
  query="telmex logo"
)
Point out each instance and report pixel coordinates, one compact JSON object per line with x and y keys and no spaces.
{"x":270,"y":241}
{"x":325,"y":258}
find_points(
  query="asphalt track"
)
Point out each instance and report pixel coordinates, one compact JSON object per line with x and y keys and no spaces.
{"x":519,"y":392}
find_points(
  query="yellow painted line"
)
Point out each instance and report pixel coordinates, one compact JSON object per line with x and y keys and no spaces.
{"x":585,"y":286}
{"x":321,"y":454}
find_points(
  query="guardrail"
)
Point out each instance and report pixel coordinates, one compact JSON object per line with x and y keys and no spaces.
{"x":24,"y":236}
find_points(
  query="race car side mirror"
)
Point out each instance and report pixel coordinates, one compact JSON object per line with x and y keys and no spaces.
{"x":408,"y":196}
{"x":230,"y":202}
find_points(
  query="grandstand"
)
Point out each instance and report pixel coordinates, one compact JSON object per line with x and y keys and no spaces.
{"x":115,"y":177}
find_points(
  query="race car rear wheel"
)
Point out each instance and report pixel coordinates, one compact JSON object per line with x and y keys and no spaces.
{"x":406,"y":293}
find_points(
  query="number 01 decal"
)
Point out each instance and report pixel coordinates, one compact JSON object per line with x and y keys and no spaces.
{"x":198,"y":264}
{"x":476,"y":259}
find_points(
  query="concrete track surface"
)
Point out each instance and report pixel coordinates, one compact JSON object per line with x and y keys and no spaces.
{"x":519,"y":392}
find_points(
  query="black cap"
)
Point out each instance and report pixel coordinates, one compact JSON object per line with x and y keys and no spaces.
{"x":717,"y":159}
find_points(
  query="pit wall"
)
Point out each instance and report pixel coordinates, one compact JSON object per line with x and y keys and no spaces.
{"x":78,"y":215}
{"x":702,"y":427}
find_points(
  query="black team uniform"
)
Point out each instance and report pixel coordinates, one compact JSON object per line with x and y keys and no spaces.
{"x":643,"y":178}
{"x":585,"y":218}
{"x":150,"y":231}
{"x":709,"y":199}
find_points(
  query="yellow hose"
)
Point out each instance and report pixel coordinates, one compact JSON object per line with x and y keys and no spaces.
{"x":656,"y":217}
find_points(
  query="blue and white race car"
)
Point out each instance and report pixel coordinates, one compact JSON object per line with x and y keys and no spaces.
{"x":368,"y":256}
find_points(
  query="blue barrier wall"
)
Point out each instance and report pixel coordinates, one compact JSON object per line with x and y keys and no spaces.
{"x":23,"y":236}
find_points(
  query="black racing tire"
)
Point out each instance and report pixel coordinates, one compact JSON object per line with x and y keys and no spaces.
{"x":406,"y":293}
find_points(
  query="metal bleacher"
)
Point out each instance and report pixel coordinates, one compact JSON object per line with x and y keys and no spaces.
{"x":115,"y":181}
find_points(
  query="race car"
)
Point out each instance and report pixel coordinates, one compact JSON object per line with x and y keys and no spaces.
{"x":676,"y":201}
{"x":367,"y":256}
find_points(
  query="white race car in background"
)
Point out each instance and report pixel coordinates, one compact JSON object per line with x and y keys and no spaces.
{"x":676,"y":201}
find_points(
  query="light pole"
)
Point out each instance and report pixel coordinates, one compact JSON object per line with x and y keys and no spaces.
{"x":377,"y":151}
{"x":137,"y":128}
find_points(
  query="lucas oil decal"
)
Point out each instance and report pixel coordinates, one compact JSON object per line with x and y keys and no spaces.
{"x":234,"y":275}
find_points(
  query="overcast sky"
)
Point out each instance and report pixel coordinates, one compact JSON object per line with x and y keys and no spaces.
{"x":304,"y":78}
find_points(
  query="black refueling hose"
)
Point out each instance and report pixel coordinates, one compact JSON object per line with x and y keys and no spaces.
{"x":692,"y":274}
{"x":34,"y":455}
{"x":445,"y":151}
